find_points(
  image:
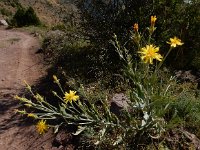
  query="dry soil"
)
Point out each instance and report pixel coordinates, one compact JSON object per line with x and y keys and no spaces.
{"x":18,"y":62}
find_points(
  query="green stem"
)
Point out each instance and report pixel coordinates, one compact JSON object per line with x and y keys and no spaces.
{"x":59,"y":85}
{"x":146,"y":73}
{"x":161,"y":63}
{"x":50,"y":106}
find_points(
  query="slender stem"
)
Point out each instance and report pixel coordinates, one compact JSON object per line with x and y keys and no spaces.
{"x":59,"y":98}
{"x":161,"y":63}
{"x":49,"y":105}
{"x":61,"y":88}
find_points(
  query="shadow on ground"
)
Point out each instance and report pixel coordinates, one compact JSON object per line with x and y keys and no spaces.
{"x":8,"y":117}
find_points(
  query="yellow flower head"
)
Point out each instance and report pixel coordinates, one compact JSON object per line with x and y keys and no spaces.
{"x":42,"y":127}
{"x":135,"y":27}
{"x":149,"y":53}
{"x":174,"y":42}
{"x":71,"y":96}
{"x":153,"y":20}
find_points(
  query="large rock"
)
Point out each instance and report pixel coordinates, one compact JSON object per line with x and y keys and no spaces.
{"x":119,"y":102}
{"x":3,"y":22}
{"x":187,"y":76}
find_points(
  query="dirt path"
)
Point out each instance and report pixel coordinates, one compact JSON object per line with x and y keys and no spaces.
{"x":18,"y":62}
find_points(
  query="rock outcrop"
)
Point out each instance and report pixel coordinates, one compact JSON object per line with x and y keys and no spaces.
{"x":3,"y":23}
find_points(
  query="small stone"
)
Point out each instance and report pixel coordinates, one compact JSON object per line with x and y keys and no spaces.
{"x":62,"y":139}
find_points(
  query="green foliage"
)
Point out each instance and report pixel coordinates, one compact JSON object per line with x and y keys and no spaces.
{"x":181,"y":19}
{"x":25,"y":17}
{"x":5,"y":12}
{"x":196,"y":62}
{"x":175,"y":17}
{"x":31,"y":17}
{"x":100,"y":20}
{"x":18,"y":18}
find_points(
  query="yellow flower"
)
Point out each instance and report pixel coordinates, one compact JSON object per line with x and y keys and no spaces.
{"x":149,"y":53}
{"x":71,"y":96}
{"x":42,"y":127}
{"x":32,"y":115}
{"x":153,"y":20}
{"x":174,"y":42}
{"x":135,"y":27}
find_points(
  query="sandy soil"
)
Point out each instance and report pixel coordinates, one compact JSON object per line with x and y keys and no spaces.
{"x":18,"y":62}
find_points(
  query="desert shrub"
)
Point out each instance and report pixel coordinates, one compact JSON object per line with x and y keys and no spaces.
{"x":25,"y":17}
{"x":31,"y":17}
{"x":18,"y":18}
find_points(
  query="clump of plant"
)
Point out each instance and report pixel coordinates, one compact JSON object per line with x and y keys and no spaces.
{"x":149,"y":97}
{"x":25,"y":17}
